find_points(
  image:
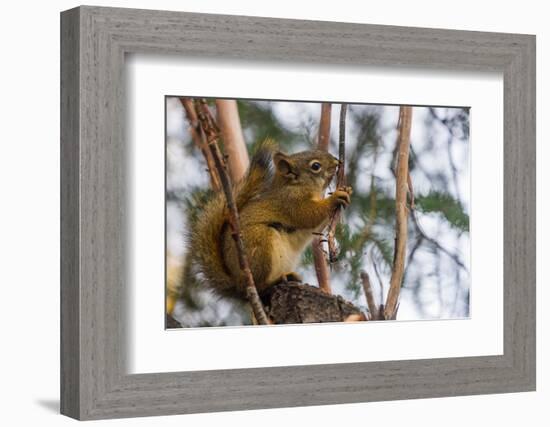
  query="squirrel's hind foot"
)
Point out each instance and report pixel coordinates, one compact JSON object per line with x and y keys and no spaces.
{"x":290,"y":277}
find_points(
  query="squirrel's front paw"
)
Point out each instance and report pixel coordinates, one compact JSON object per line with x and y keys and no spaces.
{"x":342,"y":196}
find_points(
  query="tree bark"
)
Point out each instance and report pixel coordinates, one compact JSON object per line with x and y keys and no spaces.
{"x":320,"y":264}
{"x":233,"y":139}
{"x":340,"y":182}
{"x":323,"y":140}
{"x":374,"y":310}
{"x":401,"y":212}
{"x":288,"y":303}
{"x":319,"y":257}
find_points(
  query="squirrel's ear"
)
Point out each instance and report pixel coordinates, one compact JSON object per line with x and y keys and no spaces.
{"x":284,"y":166}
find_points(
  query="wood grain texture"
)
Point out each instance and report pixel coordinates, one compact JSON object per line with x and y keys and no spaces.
{"x":95,"y":238}
{"x":70,"y":264}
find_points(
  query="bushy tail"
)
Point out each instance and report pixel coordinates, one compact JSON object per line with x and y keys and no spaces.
{"x":207,"y":233}
{"x":259,"y":174}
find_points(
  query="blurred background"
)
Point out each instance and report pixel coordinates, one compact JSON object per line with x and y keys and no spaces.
{"x":436,"y":284}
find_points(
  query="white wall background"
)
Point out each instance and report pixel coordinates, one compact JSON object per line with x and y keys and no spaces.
{"x":29,"y":213}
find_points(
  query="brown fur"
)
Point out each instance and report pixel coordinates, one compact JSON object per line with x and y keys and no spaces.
{"x":281,"y":205}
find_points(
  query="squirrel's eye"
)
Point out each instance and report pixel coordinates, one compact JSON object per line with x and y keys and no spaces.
{"x":316,"y":166}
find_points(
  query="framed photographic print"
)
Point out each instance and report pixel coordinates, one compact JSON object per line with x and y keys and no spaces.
{"x":261,"y":213}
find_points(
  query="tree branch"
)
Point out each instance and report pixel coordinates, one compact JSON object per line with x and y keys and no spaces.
{"x":320,"y":264}
{"x":401,"y":212}
{"x":294,"y":302}
{"x":369,"y":294}
{"x":319,"y":257}
{"x":323,"y":142}
{"x":411,"y":190}
{"x":340,"y":182}
{"x":212,"y":132}
{"x":200,"y":141}
{"x":233,"y":140}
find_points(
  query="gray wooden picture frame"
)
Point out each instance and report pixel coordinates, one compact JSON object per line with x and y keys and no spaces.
{"x":94,"y":41}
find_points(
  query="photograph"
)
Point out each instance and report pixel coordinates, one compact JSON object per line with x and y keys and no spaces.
{"x":289,"y":212}
{"x":322,"y":212}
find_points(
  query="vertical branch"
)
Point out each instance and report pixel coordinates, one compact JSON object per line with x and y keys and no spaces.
{"x":233,"y":139}
{"x":212,"y":132}
{"x":369,"y":294}
{"x":321,"y":265}
{"x":340,"y":182}
{"x":341,"y":177}
{"x":401,"y":212}
{"x":200,"y":141}
{"x":319,"y":259}
{"x":324,"y":126}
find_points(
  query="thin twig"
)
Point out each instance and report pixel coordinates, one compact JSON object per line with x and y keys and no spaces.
{"x":340,"y":182}
{"x":448,"y":125}
{"x":379,"y":278}
{"x":369,"y":294}
{"x":401,"y":212}
{"x":341,"y":177}
{"x":435,"y":243}
{"x":411,"y":190}
{"x":319,"y":256}
{"x":200,"y":141}
{"x":212,"y":133}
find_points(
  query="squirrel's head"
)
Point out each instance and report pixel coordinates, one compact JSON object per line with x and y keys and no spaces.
{"x":314,"y":169}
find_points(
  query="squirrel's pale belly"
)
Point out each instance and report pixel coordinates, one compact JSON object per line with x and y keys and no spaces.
{"x":287,"y":249}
